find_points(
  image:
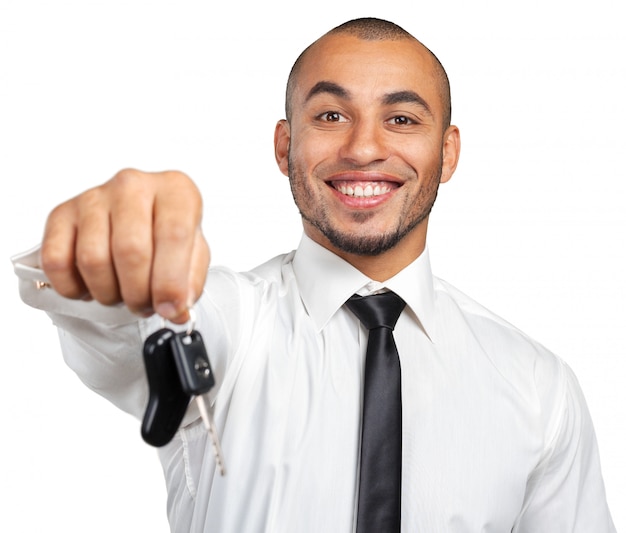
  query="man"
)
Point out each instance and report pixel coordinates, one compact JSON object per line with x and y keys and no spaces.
{"x":495,"y":434}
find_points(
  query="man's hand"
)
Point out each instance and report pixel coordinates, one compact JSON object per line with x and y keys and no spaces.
{"x":136,"y":239}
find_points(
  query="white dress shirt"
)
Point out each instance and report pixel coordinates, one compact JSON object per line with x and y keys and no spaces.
{"x":496,"y":433}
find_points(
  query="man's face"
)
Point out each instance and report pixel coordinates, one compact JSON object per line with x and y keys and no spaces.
{"x":365,"y":146}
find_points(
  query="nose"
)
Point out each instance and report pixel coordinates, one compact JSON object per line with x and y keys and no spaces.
{"x":364,"y":143}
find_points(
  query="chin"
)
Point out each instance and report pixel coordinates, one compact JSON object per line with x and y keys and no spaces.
{"x":365,"y":245}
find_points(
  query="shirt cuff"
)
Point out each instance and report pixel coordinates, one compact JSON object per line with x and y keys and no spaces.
{"x":35,"y":290}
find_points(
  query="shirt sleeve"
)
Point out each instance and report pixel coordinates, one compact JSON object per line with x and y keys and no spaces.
{"x":565,"y":493}
{"x":102,"y":344}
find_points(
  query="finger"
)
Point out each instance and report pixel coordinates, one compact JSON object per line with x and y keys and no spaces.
{"x":93,"y":249}
{"x":200,"y":259}
{"x":199,"y":267}
{"x":57,"y":254}
{"x":132,"y":198}
{"x":177,"y":219}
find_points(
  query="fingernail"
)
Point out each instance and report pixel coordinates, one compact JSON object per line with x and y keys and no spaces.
{"x":167,"y":310}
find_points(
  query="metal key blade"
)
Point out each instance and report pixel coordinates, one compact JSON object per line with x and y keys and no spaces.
{"x":207,"y":417}
{"x":196,"y":378}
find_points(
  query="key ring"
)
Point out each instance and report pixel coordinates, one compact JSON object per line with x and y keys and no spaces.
{"x":191,"y":323}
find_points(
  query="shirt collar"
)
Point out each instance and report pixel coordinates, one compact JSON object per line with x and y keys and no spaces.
{"x":326,"y":281}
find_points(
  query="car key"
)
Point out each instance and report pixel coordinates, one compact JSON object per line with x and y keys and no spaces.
{"x":167,"y":401}
{"x":196,"y":378}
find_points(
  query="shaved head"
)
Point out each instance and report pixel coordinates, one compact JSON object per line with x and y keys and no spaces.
{"x":373,"y":29}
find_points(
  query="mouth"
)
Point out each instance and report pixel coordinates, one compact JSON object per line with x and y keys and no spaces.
{"x":364,"y":186}
{"x":363,"y":189}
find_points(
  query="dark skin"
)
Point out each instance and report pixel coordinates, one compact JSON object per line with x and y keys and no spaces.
{"x":367,"y":117}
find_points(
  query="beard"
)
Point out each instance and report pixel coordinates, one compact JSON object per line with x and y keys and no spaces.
{"x":414,"y":211}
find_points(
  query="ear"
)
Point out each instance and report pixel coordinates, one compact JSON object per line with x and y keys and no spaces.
{"x":282,"y":138}
{"x":451,"y":152}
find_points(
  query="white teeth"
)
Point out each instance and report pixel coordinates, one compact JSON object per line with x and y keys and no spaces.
{"x":361,"y":192}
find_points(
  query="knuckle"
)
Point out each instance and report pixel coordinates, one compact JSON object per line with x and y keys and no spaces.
{"x":73,"y":291}
{"x":60,"y":212}
{"x":176,"y":231}
{"x":179,"y":178}
{"x":106,"y":297}
{"x":128,"y":183}
{"x":127,"y":176}
{"x":195,"y":198}
{"x":59,"y":224}
{"x":131,"y":177}
{"x":52,"y":261}
{"x":186,"y":190}
{"x":62,"y":274}
{"x":131,"y":251}
{"x":92,"y":259}
{"x":90,"y":197}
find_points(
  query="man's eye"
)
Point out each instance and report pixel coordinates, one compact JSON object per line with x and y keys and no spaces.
{"x":401,"y":120}
{"x":331,"y":116}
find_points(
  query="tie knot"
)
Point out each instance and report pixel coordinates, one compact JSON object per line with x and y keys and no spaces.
{"x":377,"y":310}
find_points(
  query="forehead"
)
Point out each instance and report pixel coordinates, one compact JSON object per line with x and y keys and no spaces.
{"x":369,"y":69}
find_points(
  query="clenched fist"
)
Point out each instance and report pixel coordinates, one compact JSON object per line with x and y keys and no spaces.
{"x":136,"y":239}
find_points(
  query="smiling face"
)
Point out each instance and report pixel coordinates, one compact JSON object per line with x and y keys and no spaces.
{"x":366,"y":148}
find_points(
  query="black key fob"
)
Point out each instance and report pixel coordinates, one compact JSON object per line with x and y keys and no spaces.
{"x":167,"y":402}
{"x":192,"y":362}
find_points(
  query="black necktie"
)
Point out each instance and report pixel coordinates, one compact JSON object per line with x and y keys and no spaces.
{"x":381,"y":435}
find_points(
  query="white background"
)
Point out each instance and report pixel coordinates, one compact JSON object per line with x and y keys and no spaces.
{"x":532,"y":225}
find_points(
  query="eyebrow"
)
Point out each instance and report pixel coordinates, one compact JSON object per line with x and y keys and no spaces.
{"x":328,"y":87}
{"x":398,"y":97}
{"x":406,"y":97}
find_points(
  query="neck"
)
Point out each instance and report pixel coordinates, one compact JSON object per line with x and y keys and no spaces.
{"x":383,"y":266}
